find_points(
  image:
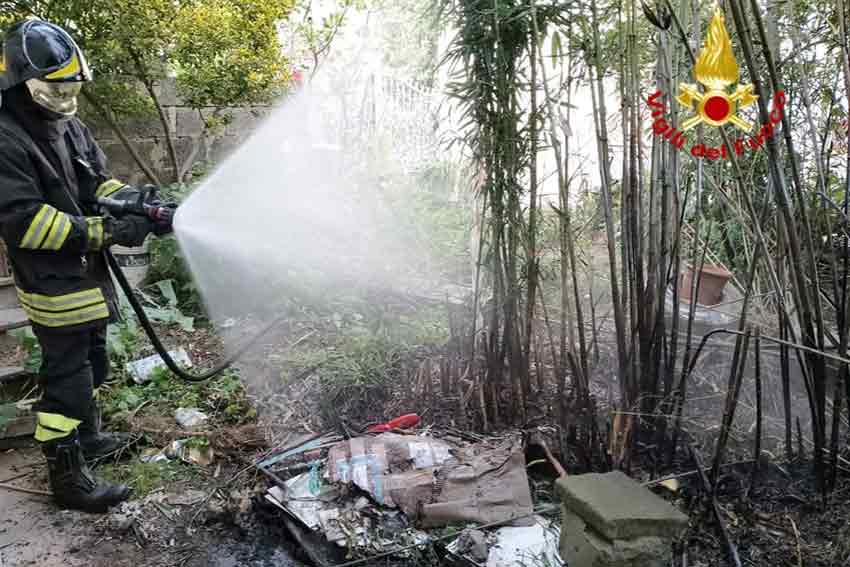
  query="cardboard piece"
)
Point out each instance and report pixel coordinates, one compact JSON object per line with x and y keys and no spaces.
{"x":433,"y":483}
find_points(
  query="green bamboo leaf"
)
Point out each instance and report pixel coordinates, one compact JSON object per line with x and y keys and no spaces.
{"x":166,"y":288}
{"x":556,"y":46}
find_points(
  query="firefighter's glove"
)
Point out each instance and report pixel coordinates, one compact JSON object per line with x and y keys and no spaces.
{"x":130,"y":230}
{"x":163,"y":217}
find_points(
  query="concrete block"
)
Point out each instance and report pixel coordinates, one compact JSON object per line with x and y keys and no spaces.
{"x":167,"y":92}
{"x":122,"y":165}
{"x":617,"y":507}
{"x":189,"y":122}
{"x":245,"y":120}
{"x":582,"y":546}
{"x":100,"y":129}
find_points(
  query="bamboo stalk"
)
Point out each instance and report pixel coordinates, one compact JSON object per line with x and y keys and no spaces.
{"x":739,"y":362}
{"x":757,"y":448}
{"x":600,"y":119}
{"x":14,"y":488}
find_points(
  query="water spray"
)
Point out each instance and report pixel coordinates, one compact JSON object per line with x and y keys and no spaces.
{"x":162,"y":214}
{"x":115,"y":267}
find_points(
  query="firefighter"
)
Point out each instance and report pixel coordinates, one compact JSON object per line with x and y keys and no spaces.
{"x":51,"y":171}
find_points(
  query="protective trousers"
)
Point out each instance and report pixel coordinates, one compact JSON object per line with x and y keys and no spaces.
{"x":74,"y":365}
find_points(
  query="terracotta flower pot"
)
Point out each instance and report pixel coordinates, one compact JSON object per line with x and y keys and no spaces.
{"x":712,"y":282}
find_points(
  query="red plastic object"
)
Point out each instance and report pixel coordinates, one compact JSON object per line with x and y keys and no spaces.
{"x":402,"y":422}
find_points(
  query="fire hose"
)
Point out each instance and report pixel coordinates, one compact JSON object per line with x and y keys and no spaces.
{"x":159,"y":212}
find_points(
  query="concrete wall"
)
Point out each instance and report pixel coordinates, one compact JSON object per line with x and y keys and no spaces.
{"x":187,"y":127}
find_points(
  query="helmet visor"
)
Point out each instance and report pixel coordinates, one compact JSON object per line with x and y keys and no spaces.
{"x":47,"y":47}
{"x":60,"y":98}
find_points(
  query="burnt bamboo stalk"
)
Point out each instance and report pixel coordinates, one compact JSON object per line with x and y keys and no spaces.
{"x":785,"y":361}
{"x":679,"y":400}
{"x":662,"y":270}
{"x":673,"y":274}
{"x":600,"y":114}
{"x":512,"y":351}
{"x":710,"y":490}
{"x":757,"y":448}
{"x":840,"y":379}
{"x":476,"y":294}
{"x":739,"y":362}
{"x":806,"y":313}
{"x":561,"y":384}
{"x":531,"y":260}
{"x":818,"y":363}
{"x":640,"y":300}
{"x":740,"y":182}
{"x":568,"y":235}
{"x":762,"y":252}
{"x":839,"y":286}
{"x":687,"y":362}
{"x":625,"y":250}
{"x":626,"y":208}
{"x":651,"y":357}
{"x":799,"y":186}
{"x":564,"y":217}
{"x":845,"y":63}
{"x":566,"y":326}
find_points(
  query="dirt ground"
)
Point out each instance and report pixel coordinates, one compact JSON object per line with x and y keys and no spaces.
{"x":34,"y":532}
{"x":148,"y":532}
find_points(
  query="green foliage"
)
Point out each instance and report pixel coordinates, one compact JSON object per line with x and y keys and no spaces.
{"x":410,"y":35}
{"x":164,"y":393}
{"x":362,"y":354}
{"x":318,"y":33}
{"x":227,"y":52}
{"x":222,"y":52}
{"x":170,"y":312}
{"x":143,"y":478}
{"x":433,"y":223}
{"x":29,"y":343}
{"x":169,"y":264}
{"x":123,"y":337}
{"x":355,"y":373}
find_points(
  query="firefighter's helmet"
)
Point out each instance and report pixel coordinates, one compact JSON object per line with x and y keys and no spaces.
{"x":47,"y":59}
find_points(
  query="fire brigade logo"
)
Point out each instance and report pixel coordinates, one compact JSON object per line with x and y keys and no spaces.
{"x":716,"y":69}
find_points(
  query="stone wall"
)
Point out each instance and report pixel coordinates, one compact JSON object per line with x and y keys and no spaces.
{"x":192,"y":142}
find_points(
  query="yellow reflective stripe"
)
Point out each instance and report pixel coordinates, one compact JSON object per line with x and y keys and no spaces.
{"x":43,"y":434}
{"x":61,"y":302}
{"x":108,"y":188}
{"x":57,"y":421}
{"x":68,"y":318}
{"x":52,"y":426}
{"x":38,"y":227}
{"x":58,"y":232}
{"x":69,"y":70}
{"x":94,"y":230}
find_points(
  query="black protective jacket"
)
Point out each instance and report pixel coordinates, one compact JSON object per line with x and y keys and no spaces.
{"x":53,"y":236}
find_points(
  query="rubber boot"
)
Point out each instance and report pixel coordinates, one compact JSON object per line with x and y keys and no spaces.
{"x":72,"y":482}
{"x":97,"y":444}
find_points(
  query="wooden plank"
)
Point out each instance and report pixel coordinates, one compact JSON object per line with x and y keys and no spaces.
{"x":19,"y":427}
{"x":16,"y":431}
{"x":11,"y":373}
